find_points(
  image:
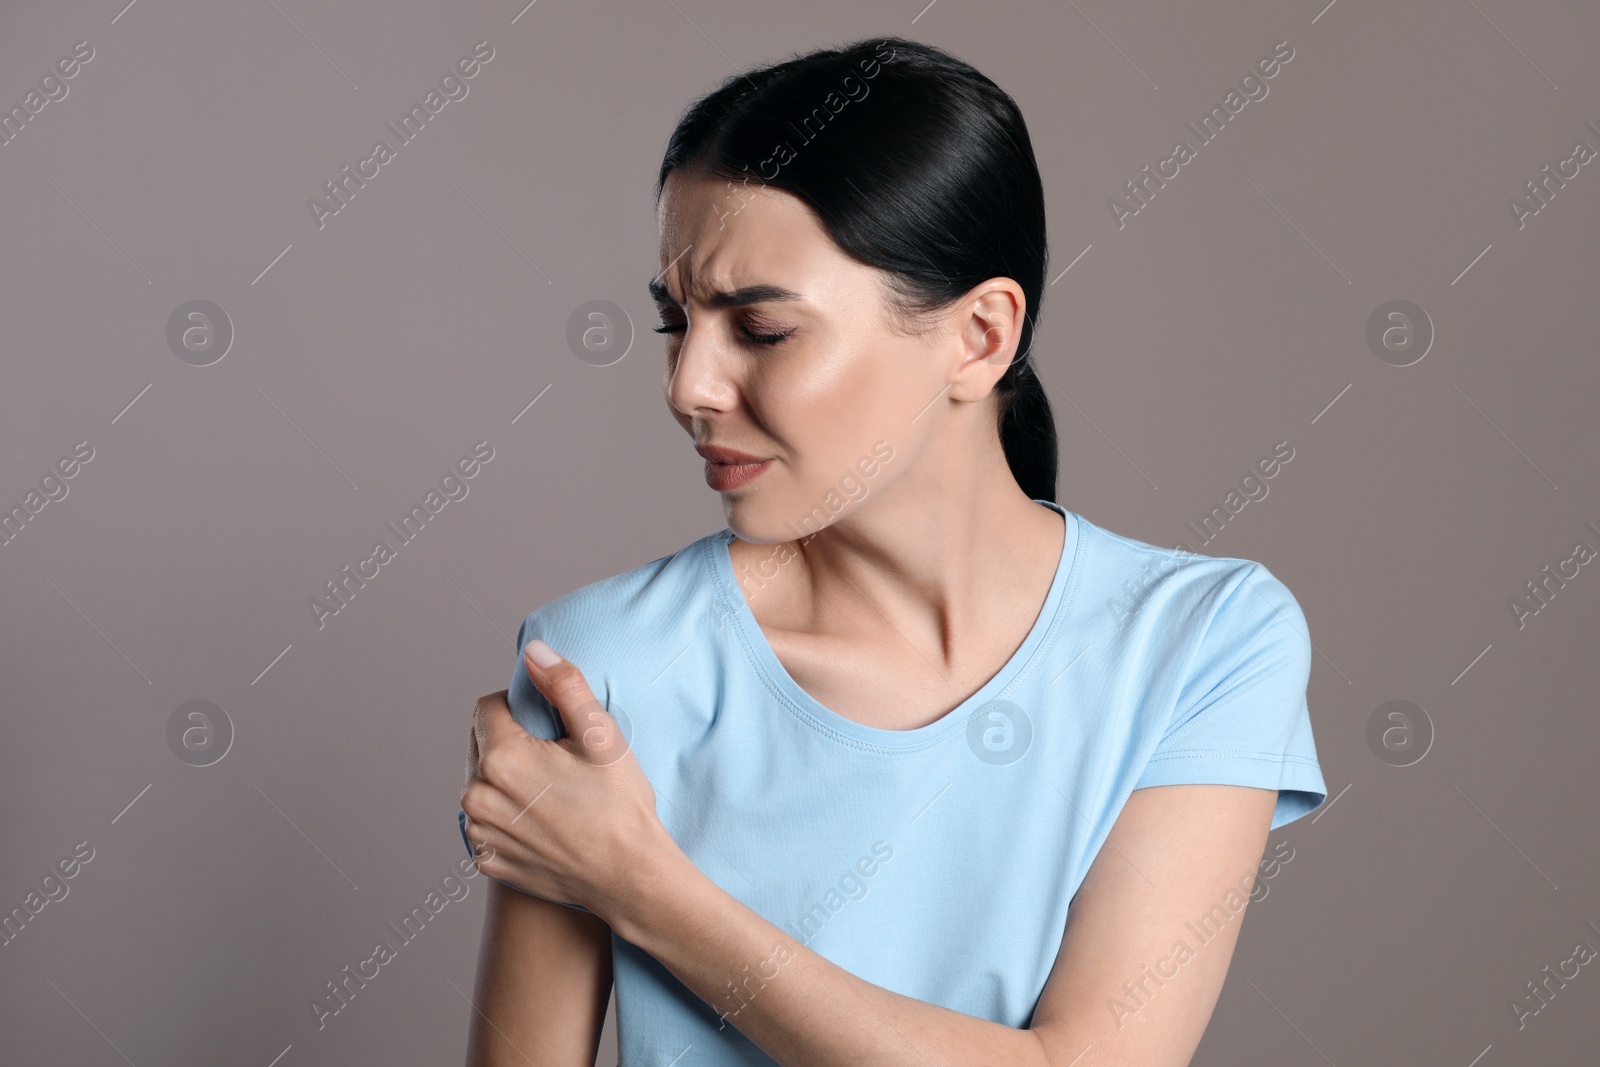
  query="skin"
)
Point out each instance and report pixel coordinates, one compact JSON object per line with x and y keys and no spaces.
{"x":913,"y":596}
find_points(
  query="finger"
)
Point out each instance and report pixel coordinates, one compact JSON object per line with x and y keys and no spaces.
{"x":481,"y":839}
{"x":488,"y":805}
{"x":562,"y":684}
{"x":472,"y":750}
{"x":493,"y":725}
{"x":473,"y":753}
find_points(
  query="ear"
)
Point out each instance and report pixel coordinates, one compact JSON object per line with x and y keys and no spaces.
{"x":988,"y":325}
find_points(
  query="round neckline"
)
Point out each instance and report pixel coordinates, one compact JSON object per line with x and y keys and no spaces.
{"x":820,"y":716}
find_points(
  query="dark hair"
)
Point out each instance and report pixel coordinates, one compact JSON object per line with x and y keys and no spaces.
{"x":915,"y":163}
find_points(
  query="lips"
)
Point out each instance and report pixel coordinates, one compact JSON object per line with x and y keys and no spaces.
{"x":729,"y":456}
{"x":728,"y":468}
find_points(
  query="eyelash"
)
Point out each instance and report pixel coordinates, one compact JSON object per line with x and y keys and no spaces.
{"x":753,"y":338}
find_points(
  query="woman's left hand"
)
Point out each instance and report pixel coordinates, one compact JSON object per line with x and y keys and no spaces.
{"x":573,"y":820}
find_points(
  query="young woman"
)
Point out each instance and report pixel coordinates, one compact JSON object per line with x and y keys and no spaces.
{"x":909,"y":764}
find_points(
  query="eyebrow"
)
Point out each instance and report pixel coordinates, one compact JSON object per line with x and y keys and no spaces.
{"x":749,"y":294}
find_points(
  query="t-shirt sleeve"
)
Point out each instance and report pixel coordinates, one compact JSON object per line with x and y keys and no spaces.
{"x":528,"y":706}
{"x":529,"y":709}
{"x":1241,"y":716}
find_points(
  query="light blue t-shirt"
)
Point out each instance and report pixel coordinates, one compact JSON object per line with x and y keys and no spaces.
{"x":937,"y":862}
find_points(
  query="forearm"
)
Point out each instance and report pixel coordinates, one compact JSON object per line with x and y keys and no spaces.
{"x":544,"y":975}
{"x":795,"y":1005}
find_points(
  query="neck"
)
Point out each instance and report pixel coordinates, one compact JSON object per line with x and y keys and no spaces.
{"x":946,"y":551}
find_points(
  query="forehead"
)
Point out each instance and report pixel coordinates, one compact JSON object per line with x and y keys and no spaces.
{"x":719,"y":234}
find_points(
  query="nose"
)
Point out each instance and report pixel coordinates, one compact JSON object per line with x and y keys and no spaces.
{"x":697,"y":378}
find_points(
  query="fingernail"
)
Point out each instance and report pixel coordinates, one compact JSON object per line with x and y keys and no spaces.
{"x":542,"y":654}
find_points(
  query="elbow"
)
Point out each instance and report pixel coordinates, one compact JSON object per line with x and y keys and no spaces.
{"x":1039,"y":1052}
{"x":1049,"y":1049}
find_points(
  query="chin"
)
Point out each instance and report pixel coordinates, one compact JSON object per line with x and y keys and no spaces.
{"x":771,"y":519}
{"x":758,"y":521}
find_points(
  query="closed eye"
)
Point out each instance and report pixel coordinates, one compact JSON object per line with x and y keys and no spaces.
{"x":753,"y":338}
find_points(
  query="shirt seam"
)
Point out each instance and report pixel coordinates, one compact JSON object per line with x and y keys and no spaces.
{"x":715,"y":544}
{"x":1228,"y":753}
{"x":1047,"y":640}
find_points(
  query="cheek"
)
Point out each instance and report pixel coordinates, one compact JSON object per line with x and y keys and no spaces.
{"x":865,"y":418}
{"x":826,"y":410}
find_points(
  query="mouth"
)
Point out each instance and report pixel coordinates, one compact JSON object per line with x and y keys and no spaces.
{"x":728,"y":469}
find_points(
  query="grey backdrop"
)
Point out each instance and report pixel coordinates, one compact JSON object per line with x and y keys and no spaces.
{"x":371,"y":353}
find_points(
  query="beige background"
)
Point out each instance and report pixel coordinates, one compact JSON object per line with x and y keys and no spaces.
{"x":1228,"y":315}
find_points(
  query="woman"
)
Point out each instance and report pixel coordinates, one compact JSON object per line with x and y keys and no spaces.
{"x":910,"y":764}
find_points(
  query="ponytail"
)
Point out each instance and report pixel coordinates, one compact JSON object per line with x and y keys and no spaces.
{"x":1028,"y":430}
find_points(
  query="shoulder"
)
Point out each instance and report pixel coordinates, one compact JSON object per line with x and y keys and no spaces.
{"x":1227,"y":596}
{"x":645,"y":606}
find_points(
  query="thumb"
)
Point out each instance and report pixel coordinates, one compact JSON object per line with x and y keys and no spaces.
{"x":589,"y":727}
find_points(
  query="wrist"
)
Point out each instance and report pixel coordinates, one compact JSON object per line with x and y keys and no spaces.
{"x":659,"y":884}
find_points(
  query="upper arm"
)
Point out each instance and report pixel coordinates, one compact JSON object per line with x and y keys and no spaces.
{"x":1133,"y":980}
{"x":544,"y":968}
{"x":544,"y":977}
{"x":1152,"y":929}
{"x":1240,"y":717}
